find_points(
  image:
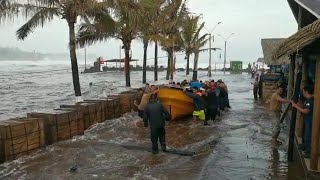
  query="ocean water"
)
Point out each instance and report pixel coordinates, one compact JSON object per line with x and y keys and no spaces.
{"x":27,"y":86}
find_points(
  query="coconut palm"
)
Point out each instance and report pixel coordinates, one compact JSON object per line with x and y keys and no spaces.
{"x":190,"y":31}
{"x":44,"y":11}
{"x":121,"y":21}
{"x":198,"y":43}
{"x":156,"y":15}
{"x":171,"y":41}
{"x":149,"y":29}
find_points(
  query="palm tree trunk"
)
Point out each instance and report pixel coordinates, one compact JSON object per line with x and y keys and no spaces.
{"x":156,"y":61}
{"x":144,"y":70}
{"x":195,"y":66}
{"x":74,"y":62}
{"x":169,"y":66}
{"x":188,"y":64}
{"x":172,"y":68}
{"x":127,"y":63}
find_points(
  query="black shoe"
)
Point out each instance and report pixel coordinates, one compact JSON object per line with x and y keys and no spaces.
{"x":164,"y":148}
{"x":155,"y":151}
{"x":206,"y":123}
{"x":301,"y":147}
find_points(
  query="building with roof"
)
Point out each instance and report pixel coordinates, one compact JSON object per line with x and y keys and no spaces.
{"x":268,"y":46}
{"x":302,"y":48}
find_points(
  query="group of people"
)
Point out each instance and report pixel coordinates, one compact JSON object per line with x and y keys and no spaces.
{"x":209,"y":98}
{"x":306,"y":109}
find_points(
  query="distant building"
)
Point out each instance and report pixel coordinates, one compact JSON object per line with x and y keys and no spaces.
{"x":236,"y":65}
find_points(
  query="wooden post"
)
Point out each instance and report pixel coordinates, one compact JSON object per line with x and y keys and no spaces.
{"x":294,"y":117}
{"x":299,"y":125}
{"x":316,"y":120}
{"x":291,"y":76}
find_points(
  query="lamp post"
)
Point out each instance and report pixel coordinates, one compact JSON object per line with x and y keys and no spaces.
{"x":210,"y":39}
{"x":225,"y":51}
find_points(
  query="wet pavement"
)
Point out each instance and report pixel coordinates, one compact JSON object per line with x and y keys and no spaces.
{"x":235,"y":146}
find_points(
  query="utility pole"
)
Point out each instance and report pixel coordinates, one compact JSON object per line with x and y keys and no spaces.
{"x":225,"y":51}
{"x":85,"y":58}
{"x":209,"y":68}
{"x":210,"y":48}
{"x":225,"y":57}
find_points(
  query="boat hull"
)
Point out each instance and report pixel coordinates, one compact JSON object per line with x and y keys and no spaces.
{"x":176,"y":102}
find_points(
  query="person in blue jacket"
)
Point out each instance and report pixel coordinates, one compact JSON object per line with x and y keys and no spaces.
{"x":307,"y":111}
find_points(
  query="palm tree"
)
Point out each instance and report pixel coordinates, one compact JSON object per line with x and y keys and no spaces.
{"x":155,"y":16}
{"x":44,"y":11}
{"x":190,"y":31}
{"x":121,"y":21}
{"x":171,"y":41}
{"x":198,"y":43}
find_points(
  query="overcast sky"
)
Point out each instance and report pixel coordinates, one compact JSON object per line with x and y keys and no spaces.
{"x":250,"y":20}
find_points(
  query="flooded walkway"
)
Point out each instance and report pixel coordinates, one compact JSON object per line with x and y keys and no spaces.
{"x":235,"y":146}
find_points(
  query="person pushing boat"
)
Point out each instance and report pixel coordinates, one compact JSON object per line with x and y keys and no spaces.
{"x":156,"y":115}
{"x":150,"y":92}
{"x":199,"y":104}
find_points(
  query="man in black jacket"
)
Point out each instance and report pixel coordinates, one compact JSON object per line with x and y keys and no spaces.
{"x":212,"y":106}
{"x":156,"y":115}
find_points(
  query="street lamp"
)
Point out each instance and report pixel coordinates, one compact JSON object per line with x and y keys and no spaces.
{"x":225,"y":51}
{"x":210,"y":38}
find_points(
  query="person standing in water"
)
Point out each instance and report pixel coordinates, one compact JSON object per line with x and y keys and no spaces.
{"x":156,"y":115}
{"x":307,"y":112}
{"x":255,"y":88}
{"x":276,"y":109}
{"x":199,"y":103}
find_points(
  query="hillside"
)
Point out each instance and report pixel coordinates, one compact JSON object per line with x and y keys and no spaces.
{"x":20,"y":55}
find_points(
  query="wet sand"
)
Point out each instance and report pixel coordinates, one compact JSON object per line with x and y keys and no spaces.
{"x":235,"y":146}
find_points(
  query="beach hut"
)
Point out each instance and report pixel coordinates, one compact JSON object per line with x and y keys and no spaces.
{"x":275,"y":76}
{"x":303,"y":50}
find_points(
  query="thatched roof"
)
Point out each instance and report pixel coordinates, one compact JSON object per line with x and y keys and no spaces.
{"x":313,"y":6}
{"x":268,"y":46}
{"x":260,"y":60}
{"x":299,"y":40}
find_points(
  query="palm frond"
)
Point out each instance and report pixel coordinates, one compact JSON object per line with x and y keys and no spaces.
{"x":43,"y":15}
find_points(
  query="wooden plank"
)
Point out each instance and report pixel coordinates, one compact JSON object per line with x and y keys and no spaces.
{"x":14,"y":143}
{"x":291,"y":76}
{"x":316,"y":120}
{"x":294,"y":117}
{"x":100,"y":108}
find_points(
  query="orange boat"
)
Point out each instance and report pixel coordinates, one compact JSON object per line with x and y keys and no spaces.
{"x":175,"y":101}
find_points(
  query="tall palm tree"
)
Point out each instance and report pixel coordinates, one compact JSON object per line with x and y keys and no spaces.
{"x":190,"y":31}
{"x":198,"y":43}
{"x":121,"y":21}
{"x":44,"y":11}
{"x":175,"y":15}
{"x":155,"y":14}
